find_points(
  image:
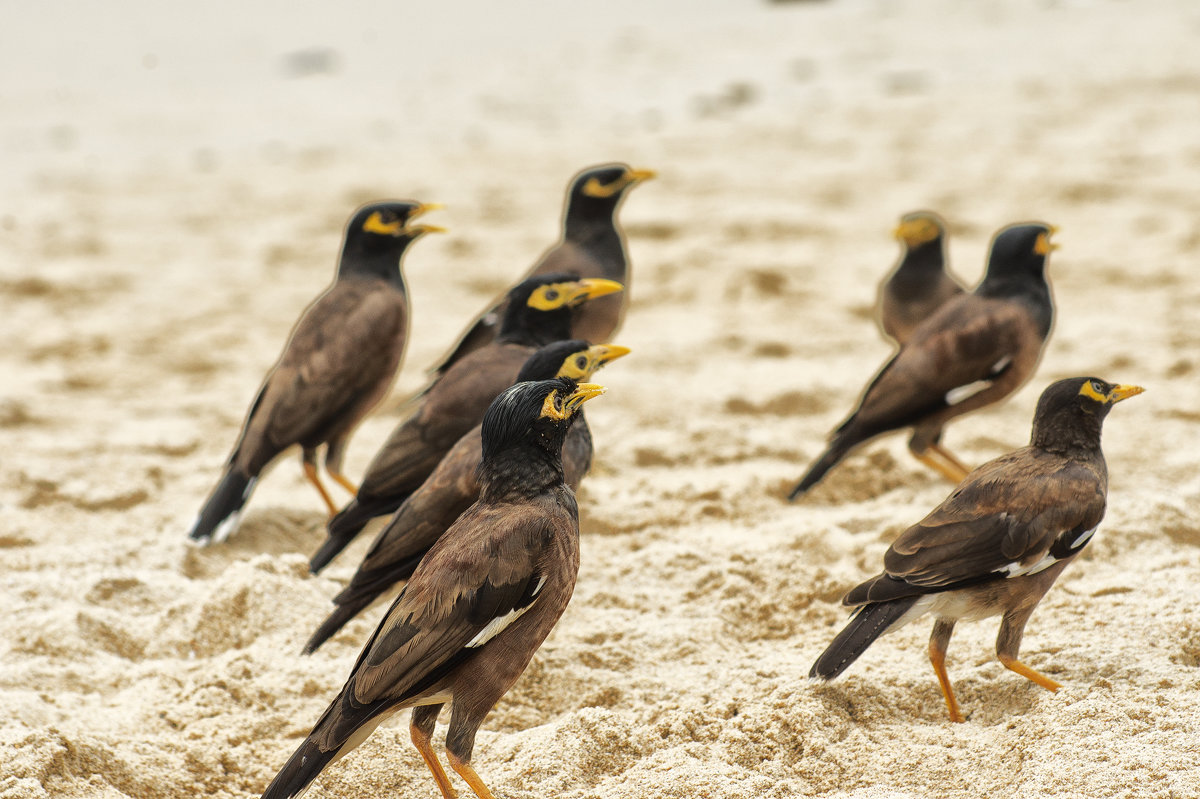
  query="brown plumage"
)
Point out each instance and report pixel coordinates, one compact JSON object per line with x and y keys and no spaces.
{"x":997,"y":544}
{"x":919,"y":284}
{"x":338,"y":363}
{"x":592,"y":245}
{"x":976,"y":350}
{"x":479,"y":604}
{"x":540,"y":311}
{"x":454,"y":485}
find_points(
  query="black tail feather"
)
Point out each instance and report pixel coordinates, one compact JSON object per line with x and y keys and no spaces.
{"x":336,"y":621}
{"x":870,"y":622}
{"x":347,"y":523}
{"x":218,"y":517}
{"x":829,"y":458}
{"x":300,"y":770}
{"x":364,"y":589}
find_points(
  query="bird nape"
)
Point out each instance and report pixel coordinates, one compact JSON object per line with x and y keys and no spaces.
{"x":479,"y":604}
{"x":997,"y":544}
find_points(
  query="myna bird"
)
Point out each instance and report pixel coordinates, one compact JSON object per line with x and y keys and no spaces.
{"x":454,"y":485}
{"x":479,"y":604}
{"x":338,"y":363}
{"x":976,"y":350}
{"x":592,"y":245}
{"x":997,"y":544}
{"x":919,"y":284}
{"x":540,"y":310}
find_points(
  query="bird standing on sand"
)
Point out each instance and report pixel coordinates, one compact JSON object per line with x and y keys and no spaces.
{"x":976,"y":350}
{"x":919,"y":284}
{"x":592,"y":245}
{"x":338,"y":363}
{"x":479,"y":604}
{"x":540,"y":310}
{"x":997,"y":544}
{"x":454,"y":485}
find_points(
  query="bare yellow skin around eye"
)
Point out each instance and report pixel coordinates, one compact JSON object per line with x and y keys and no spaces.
{"x":1086,"y":390}
{"x":594,"y":188}
{"x":375,"y":224}
{"x":592,"y":359}
{"x":552,"y":409}
{"x":547,"y":298}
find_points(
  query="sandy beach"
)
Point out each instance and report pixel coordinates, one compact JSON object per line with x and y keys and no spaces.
{"x":175,"y":182}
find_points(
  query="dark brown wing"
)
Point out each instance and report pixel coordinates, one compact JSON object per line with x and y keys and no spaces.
{"x":973,"y":351}
{"x":423,"y":518}
{"x":339,"y":362}
{"x":1014,"y":515}
{"x":481,"y":576}
{"x":454,"y":405}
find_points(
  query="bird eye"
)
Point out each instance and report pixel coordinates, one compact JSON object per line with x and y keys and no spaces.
{"x":581,"y":361}
{"x":551,"y":294}
{"x":1099,"y":389}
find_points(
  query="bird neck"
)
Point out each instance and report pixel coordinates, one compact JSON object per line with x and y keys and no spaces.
{"x":598,"y":235}
{"x":1071,"y":433}
{"x":1030,"y":289}
{"x":927,"y":257}
{"x":919,"y":265}
{"x":520,"y":472}
{"x":384,"y":264}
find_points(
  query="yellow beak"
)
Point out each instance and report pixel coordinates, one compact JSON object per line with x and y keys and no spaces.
{"x":1124,"y":392}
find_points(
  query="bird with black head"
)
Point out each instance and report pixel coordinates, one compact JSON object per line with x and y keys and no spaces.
{"x":454,"y":485}
{"x":997,"y":544}
{"x":919,"y":284}
{"x":338,"y":363}
{"x":974,"y":351}
{"x":479,"y":604}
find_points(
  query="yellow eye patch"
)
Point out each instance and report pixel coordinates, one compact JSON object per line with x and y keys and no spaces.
{"x":1089,"y":390}
{"x":375,"y":224}
{"x":552,"y":407}
{"x":551,"y":296}
{"x":594,"y":188}
{"x":577,"y":366}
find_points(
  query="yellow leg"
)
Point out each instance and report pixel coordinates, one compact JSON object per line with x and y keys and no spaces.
{"x":951,"y":473}
{"x":341,"y":480}
{"x":1012,"y":664}
{"x":468,"y":774}
{"x":310,"y":471}
{"x":937,"y":656}
{"x":953,"y":461}
{"x":420,"y":739}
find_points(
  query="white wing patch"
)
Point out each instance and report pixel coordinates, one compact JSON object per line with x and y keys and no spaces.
{"x":1083,"y":538}
{"x":501,"y":623}
{"x":960,"y":393}
{"x":956,"y":395}
{"x":1015,"y":569}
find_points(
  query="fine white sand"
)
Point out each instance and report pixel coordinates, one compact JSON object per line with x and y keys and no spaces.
{"x":175,"y":180}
